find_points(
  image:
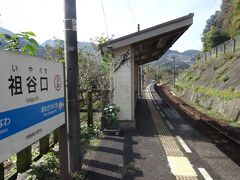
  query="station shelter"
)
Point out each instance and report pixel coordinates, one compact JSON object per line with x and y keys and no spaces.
{"x":130,"y":52}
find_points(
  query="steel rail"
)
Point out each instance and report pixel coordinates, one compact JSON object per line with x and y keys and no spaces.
{"x":160,"y":93}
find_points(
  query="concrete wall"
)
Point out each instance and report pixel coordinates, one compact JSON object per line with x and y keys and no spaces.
{"x":124,"y":87}
{"x":228,"y":108}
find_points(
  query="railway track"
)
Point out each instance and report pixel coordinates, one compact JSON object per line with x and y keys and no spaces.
{"x":227,"y":141}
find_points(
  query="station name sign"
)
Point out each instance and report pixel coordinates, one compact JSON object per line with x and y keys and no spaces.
{"x":31,"y":100}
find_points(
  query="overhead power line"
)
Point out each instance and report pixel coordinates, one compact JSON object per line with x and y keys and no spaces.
{"x":131,"y":12}
{"x":105,"y":19}
{"x":199,"y":22}
{"x":205,"y":13}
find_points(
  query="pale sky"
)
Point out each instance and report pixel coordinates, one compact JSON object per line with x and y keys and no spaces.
{"x":45,"y":17}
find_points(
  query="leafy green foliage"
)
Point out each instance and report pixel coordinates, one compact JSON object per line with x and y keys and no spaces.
{"x":21,"y":42}
{"x":46,"y":169}
{"x":87,"y":133}
{"x":78,"y":175}
{"x":55,"y":53}
{"x":213,"y":37}
{"x":225,"y":78}
{"x":151,"y":72}
{"x":227,"y":94}
{"x":215,"y":20}
{"x":233,"y":19}
{"x":223,"y":25}
{"x":110,"y":113}
{"x":94,"y":68}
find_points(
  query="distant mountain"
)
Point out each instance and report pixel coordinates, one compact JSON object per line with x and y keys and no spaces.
{"x":183,"y":59}
{"x":81,"y":45}
{"x":86,"y":46}
{"x":188,"y":56}
{"x":5,"y":31}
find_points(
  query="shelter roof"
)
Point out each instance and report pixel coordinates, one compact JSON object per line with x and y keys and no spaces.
{"x":151,"y":43}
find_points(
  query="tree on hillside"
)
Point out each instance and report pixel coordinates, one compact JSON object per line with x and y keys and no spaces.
{"x":219,"y":25}
{"x":215,"y":20}
{"x":94,"y":69}
{"x":233,"y":19}
{"x":213,"y":37}
{"x":150,"y":73}
{"x":56,"y":52}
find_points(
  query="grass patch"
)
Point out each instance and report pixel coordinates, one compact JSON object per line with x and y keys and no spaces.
{"x":210,"y":112}
{"x":227,"y":94}
{"x":224,"y":78}
{"x":221,"y":72}
{"x":228,"y":56}
{"x":190,"y":78}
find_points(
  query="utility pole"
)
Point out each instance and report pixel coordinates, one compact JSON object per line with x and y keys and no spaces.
{"x":71,"y":59}
{"x":173,"y":57}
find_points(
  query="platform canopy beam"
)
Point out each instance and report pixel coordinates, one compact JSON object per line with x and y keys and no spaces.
{"x":152,"y":42}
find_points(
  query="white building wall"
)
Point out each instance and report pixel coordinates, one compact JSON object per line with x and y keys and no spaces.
{"x":124,"y":86}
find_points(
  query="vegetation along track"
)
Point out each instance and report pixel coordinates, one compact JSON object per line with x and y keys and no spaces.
{"x":219,"y":133}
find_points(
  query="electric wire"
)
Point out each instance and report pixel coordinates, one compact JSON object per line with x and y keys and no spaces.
{"x":199,"y":22}
{"x":131,"y":12}
{"x":105,"y":19}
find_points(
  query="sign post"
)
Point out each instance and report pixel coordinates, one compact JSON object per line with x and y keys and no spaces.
{"x":32,"y":101}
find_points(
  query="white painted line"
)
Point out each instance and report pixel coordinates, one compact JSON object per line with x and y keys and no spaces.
{"x":163,"y":115}
{"x":170,"y":125}
{"x":157,"y":107}
{"x":184,"y":145}
{"x":205,"y":174}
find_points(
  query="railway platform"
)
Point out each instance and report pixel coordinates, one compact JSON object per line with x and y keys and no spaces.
{"x":163,"y":147}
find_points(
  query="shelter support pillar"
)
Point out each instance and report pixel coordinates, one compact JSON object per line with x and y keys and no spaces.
{"x":139,"y":82}
{"x":124,"y":86}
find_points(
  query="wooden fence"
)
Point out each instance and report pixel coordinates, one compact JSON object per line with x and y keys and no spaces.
{"x":24,"y":157}
{"x":102,"y":95}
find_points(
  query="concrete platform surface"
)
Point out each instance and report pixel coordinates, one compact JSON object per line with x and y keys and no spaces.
{"x":163,"y":147}
{"x":134,"y":155}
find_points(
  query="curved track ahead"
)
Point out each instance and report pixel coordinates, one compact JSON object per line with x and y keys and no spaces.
{"x":210,"y":128}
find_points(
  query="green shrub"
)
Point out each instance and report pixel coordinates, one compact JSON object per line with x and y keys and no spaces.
{"x":110,"y":114}
{"x":47,"y":168}
{"x":87,"y":133}
{"x":189,"y":77}
{"x":225,"y":78}
{"x":196,"y":78}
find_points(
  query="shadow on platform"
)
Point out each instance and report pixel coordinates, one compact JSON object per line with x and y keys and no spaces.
{"x":134,"y":154}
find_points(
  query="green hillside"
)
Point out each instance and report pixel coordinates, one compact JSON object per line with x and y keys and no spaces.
{"x":222,"y":25}
{"x":213,"y":87}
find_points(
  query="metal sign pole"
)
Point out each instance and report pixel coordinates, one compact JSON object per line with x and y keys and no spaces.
{"x":71,"y":59}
